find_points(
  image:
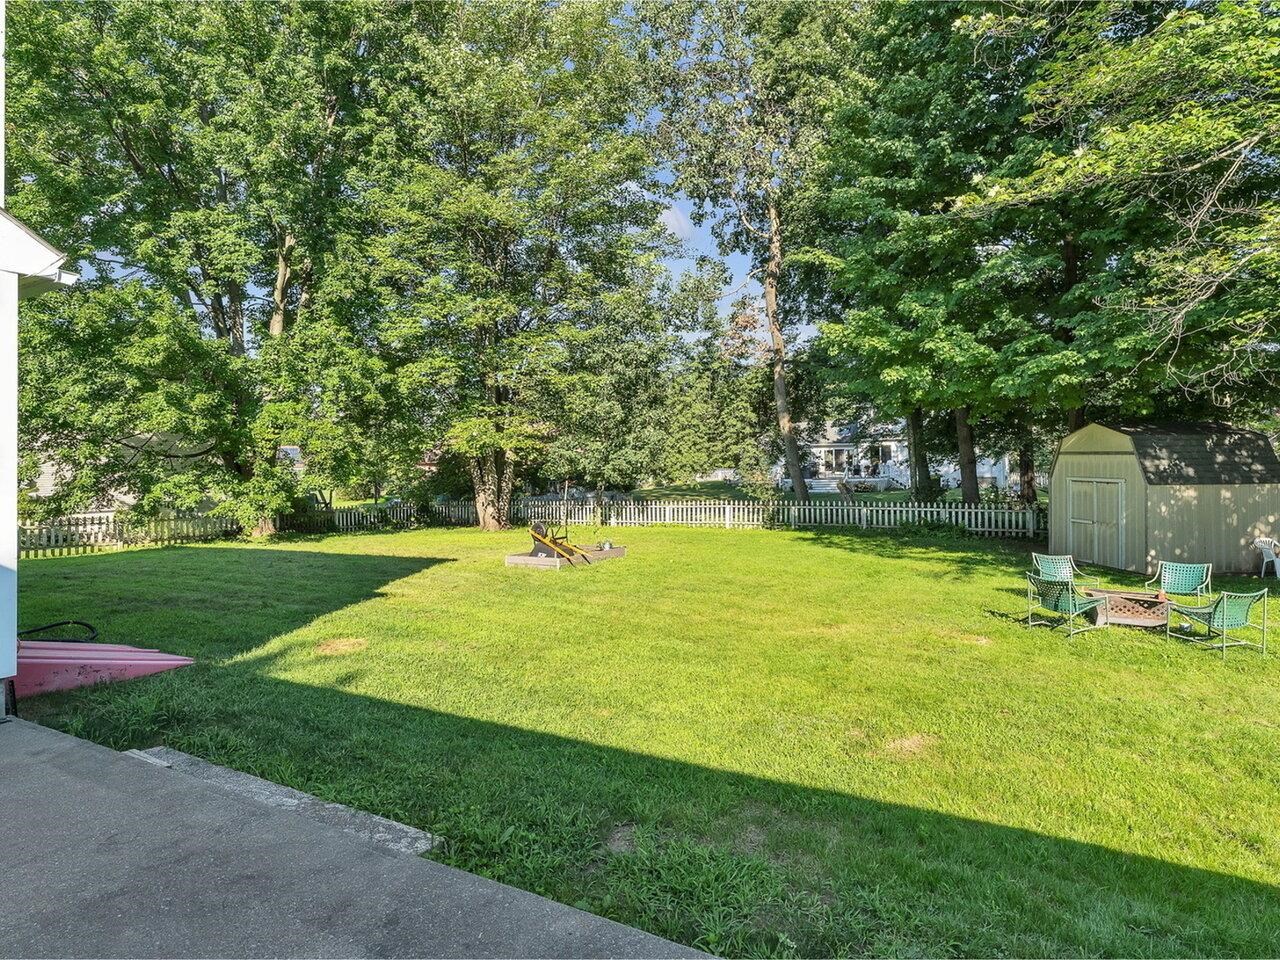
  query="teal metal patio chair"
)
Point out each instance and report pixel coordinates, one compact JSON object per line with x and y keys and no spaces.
{"x":1060,"y":567}
{"x":1061,"y":596}
{"x":1231,"y":611}
{"x":1184,"y":579}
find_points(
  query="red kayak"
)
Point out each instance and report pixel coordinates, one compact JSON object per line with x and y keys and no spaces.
{"x":48,"y":665}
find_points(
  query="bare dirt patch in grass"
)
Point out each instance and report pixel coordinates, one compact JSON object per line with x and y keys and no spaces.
{"x":621,"y":839}
{"x":752,"y":839}
{"x":341,"y":645}
{"x":905,"y":748}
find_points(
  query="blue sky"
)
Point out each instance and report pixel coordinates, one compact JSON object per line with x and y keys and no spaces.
{"x":699,"y":242}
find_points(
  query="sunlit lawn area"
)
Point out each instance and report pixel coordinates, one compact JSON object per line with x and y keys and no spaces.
{"x":756,"y":742}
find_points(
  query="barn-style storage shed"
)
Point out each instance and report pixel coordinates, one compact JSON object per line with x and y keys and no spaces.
{"x":1129,"y":495}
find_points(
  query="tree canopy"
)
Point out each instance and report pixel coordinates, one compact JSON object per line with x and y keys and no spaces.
{"x":400,"y":236}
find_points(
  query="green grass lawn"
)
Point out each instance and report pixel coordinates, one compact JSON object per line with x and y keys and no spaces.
{"x":756,"y":742}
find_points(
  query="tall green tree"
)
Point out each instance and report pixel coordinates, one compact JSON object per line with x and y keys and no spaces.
{"x":514,"y":200}
{"x":912,"y":339}
{"x":1168,"y":129}
{"x":748,"y":92}
{"x":718,"y":406}
{"x":203,"y":152}
{"x":606,"y":413}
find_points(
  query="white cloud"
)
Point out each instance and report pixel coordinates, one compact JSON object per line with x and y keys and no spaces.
{"x":674,"y":219}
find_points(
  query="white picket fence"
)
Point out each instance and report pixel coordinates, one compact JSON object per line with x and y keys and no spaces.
{"x":987,"y":520}
{"x":982,"y":519}
{"x":90,"y":533}
{"x":350,"y":519}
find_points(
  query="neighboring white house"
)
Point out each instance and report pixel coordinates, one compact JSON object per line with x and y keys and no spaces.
{"x":877,"y":453}
{"x":292,"y":455}
{"x":870,"y":452}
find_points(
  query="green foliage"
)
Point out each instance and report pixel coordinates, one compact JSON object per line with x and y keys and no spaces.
{"x":113,"y":383}
{"x":1043,"y":212}
{"x":382,"y":231}
{"x":933,"y":528}
{"x":1169,"y":121}
{"x":712,"y":419}
{"x":609,"y":405}
{"x":205,"y":152}
{"x":515,"y":227}
{"x":926,"y":122}
{"x":748,"y":90}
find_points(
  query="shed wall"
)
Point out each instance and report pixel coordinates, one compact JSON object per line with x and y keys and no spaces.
{"x":1108,"y":463}
{"x":1213,"y":524}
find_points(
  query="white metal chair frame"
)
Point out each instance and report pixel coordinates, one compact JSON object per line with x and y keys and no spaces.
{"x":1267,"y":546}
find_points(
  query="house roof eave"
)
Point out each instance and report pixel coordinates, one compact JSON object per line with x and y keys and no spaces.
{"x":33,"y":285}
{"x":37,"y":263}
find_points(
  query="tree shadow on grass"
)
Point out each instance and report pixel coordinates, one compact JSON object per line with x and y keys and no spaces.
{"x":204,"y":602}
{"x":728,"y":862}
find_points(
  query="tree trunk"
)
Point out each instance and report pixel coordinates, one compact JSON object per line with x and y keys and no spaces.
{"x":772,"y":273}
{"x":485,"y":482}
{"x":1027,"y":473}
{"x":1070,"y":262}
{"x":280,"y":293}
{"x":968,"y":457}
{"x":922,"y":487}
{"x":493,"y":477}
{"x":1070,"y":277}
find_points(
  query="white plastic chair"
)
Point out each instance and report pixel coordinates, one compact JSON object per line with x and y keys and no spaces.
{"x":1268,"y":547}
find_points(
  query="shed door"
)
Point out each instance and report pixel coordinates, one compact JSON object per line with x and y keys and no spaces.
{"x":1095,"y":521}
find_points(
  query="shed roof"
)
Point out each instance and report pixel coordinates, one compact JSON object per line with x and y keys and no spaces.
{"x":1199,"y":454}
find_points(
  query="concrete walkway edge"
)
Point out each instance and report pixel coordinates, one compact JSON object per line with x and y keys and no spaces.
{"x":107,"y":856}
